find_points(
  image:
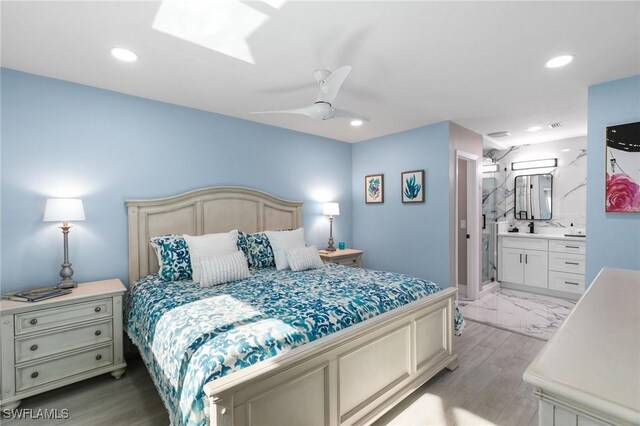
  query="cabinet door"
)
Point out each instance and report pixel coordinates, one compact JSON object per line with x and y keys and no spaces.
{"x":512,"y":265}
{"x":536,"y":268}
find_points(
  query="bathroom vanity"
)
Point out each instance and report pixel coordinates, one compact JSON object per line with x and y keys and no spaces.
{"x":542,"y":263}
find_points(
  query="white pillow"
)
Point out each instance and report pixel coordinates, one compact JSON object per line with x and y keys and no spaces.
{"x":282,"y":241}
{"x":210,"y":245}
{"x":301,"y":259}
{"x":220,"y":270}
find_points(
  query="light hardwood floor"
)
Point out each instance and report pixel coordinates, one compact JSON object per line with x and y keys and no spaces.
{"x":487,"y":388}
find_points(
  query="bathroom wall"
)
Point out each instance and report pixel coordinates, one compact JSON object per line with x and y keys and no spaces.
{"x":569,"y":199}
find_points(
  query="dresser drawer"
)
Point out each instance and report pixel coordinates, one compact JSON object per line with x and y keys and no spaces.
{"x":525,"y":243}
{"x":61,"y":368}
{"x":563,"y":281}
{"x":38,"y":346}
{"x":566,"y":262}
{"x":577,"y":247}
{"x":44,"y":319}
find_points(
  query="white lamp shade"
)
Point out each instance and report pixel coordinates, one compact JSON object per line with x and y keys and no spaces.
{"x":331,"y":209}
{"x":63,"y":210}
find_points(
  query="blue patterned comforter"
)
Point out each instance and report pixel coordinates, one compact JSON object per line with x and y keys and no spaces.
{"x":188,"y":335}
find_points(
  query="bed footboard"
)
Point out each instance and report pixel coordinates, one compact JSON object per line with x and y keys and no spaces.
{"x":350,"y":377}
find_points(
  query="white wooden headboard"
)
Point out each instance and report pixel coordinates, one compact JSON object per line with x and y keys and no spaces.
{"x":203,"y":211}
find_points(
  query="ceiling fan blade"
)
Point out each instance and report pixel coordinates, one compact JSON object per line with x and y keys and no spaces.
{"x":342,"y":113}
{"x":308,"y":111}
{"x":329,"y":90}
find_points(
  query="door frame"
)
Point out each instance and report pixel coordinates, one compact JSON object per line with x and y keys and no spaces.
{"x":474,"y":217}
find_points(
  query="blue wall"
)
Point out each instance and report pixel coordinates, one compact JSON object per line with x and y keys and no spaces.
{"x":62,"y":139}
{"x":407,"y":238}
{"x":613,"y":238}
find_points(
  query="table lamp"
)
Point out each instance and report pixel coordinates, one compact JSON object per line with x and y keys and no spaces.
{"x":64,"y":210}
{"x":331,"y":210}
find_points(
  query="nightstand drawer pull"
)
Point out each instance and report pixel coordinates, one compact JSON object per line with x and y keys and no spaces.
{"x":98,"y":357}
{"x":98,"y":309}
{"x":98,"y":332}
{"x":33,"y":321}
{"x":34,"y":374}
{"x":34,"y":347}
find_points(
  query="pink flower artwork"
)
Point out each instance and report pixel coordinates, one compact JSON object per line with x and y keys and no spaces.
{"x":622,"y":193}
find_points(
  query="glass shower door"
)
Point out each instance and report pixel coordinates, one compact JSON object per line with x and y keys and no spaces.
{"x":489,"y":230}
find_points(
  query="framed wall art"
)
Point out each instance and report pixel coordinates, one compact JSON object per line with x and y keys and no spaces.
{"x":374,"y":189}
{"x":412,"y":186}
{"x":622,"y":185}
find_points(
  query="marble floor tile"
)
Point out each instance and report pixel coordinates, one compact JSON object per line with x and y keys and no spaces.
{"x":532,"y":314}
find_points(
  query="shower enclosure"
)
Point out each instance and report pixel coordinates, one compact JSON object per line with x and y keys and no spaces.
{"x":489,"y":229}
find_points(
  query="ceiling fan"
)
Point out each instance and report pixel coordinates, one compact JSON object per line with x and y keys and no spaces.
{"x":322,"y":108}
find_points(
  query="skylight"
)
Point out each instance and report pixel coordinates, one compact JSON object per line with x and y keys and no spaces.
{"x":221,"y":25}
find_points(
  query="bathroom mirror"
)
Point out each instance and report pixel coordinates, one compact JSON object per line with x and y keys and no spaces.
{"x":533,"y":197}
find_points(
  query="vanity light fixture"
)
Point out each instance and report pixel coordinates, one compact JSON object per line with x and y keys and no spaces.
{"x":559,"y":61}
{"x":534,"y":128}
{"x":534,"y":164}
{"x":123,"y":54}
{"x":490,"y":168}
{"x":356,"y":123}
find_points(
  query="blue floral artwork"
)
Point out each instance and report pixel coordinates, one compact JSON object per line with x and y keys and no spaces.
{"x":413,"y":186}
{"x":374,"y":189}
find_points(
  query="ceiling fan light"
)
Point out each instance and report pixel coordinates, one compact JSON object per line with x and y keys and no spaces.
{"x":356,"y":123}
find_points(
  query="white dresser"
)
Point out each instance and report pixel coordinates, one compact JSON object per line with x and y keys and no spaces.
{"x":541,"y":263}
{"x":59,"y":341}
{"x":589,"y":372}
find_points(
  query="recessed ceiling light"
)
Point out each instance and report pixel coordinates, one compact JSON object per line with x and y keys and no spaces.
{"x":534,"y":128}
{"x":356,"y":123}
{"x":123,"y":54}
{"x":499,"y":134}
{"x":559,"y":61}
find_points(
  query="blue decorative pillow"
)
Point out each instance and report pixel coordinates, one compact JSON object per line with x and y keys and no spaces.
{"x":260,"y":253}
{"x":243,"y":244}
{"x":173,"y":257}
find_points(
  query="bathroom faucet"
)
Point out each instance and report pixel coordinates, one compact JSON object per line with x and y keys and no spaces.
{"x":530,"y":227}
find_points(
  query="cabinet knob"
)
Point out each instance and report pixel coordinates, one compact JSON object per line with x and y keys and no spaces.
{"x":34,"y":374}
{"x":98,"y":357}
{"x":98,"y":332}
{"x":98,"y":309}
{"x":34,"y":347}
{"x":33,"y":321}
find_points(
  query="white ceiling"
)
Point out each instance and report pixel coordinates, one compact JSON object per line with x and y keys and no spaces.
{"x":479,"y":64}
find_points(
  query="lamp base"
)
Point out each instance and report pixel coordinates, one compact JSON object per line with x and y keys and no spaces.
{"x":68,"y":283}
{"x":330,"y":246}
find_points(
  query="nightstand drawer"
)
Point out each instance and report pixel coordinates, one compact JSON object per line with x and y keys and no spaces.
{"x":46,"y":372}
{"x":353,"y":261}
{"x":35,"y":347}
{"x":44,"y":319}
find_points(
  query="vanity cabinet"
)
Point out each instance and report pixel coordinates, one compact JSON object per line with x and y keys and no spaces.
{"x":525,"y":262}
{"x":542,"y":264}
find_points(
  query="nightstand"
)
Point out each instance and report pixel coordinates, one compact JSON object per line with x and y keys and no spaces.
{"x":58,"y":341}
{"x":347,"y":257}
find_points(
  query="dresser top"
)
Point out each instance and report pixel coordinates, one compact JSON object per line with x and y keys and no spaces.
{"x":593,"y":359}
{"x":544,"y":236}
{"x":92,"y":289}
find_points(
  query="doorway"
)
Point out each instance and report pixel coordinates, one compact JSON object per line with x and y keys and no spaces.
{"x":467,"y":225}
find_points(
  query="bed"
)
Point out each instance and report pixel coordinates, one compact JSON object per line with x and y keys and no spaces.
{"x":330,"y":346}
